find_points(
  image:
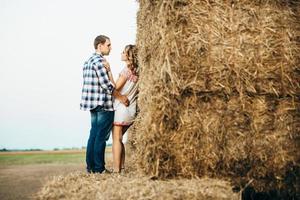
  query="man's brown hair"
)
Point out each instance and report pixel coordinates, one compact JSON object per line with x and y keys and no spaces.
{"x":100,"y":39}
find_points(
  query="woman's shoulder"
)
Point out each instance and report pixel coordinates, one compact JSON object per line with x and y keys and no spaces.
{"x":127,"y":72}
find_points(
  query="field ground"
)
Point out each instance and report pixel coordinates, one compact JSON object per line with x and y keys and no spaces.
{"x":22,"y":174}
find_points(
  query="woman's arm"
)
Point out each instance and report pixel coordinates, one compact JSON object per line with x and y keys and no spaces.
{"x":120,"y":82}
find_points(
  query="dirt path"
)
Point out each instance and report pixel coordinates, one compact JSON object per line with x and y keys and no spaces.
{"x":23,"y":181}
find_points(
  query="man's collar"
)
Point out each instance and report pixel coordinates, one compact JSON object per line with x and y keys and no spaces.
{"x":98,"y":54}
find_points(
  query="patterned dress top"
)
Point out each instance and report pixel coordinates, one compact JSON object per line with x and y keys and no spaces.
{"x":124,"y":116}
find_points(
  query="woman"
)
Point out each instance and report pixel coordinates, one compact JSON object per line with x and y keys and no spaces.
{"x":124,"y":116}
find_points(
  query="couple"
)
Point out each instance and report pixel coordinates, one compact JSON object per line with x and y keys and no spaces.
{"x":112,"y":105}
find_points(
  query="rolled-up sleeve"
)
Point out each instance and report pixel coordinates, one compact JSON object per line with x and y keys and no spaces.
{"x":105,"y":83}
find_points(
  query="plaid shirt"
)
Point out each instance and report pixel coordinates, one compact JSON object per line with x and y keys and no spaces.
{"x":97,"y":88}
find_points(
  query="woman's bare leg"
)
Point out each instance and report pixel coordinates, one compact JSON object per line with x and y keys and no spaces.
{"x":123,"y":148}
{"x":123,"y":157}
{"x":117,"y":147}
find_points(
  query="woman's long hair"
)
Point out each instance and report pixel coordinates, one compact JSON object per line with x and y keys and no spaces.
{"x":131,"y":53}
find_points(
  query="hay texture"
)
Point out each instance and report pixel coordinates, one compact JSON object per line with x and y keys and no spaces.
{"x":81,"y":186}
{"x":219,"y":91}
{"x":221,"y":45}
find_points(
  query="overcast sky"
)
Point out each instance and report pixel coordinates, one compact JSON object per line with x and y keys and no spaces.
{"x":43,"y":45}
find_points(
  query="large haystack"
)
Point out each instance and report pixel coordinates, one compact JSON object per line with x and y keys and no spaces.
{"x":219,"y":90}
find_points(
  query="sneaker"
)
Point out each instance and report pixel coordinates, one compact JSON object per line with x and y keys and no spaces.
{"x":123,"y":171}
{"x":106,"y":171}
{"x":89,"y":171}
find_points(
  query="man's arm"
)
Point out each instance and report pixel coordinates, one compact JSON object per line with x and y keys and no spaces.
{"x":110,"y":76}
{"x":122,"y":98}
{"x":107,"y":85}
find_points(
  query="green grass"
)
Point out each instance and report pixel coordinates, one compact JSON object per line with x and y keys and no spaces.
{"x":41,"y":158}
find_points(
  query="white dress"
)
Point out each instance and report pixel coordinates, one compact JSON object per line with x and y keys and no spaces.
{"x":124,"y":116}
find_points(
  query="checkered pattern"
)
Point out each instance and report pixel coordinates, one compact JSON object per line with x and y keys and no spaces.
{"x":97,"y":88}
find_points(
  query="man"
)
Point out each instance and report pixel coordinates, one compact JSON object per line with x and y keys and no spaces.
{"x":97,"y":97}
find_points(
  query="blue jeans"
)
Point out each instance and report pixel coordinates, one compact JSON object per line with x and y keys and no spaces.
{"x":101,"y":125}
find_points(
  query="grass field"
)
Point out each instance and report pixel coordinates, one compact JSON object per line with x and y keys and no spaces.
{"x":43,"y":157}
{"x":22,"y":174}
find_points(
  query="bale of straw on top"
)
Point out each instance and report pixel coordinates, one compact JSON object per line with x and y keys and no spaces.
{"x":221,"y":45}
{"x":219,"y":90}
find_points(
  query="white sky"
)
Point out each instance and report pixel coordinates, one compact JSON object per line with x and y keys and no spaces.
{"x":43,"y":45}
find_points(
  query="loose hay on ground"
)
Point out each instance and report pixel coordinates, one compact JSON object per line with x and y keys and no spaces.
{"x":81,"y":186}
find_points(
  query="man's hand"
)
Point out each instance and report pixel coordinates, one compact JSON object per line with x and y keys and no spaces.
{"x":106,"y":65}
{"x":124,"y":100}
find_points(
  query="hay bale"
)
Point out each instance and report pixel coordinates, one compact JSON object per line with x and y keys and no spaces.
{"x":81,"y":186}
{"x":224,"y":46}
{"x":250,"y":139}
{"x":219,"y":91}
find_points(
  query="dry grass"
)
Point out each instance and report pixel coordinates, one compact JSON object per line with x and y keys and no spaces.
{"x":81,"y":186}
{"x":220,"y":46}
